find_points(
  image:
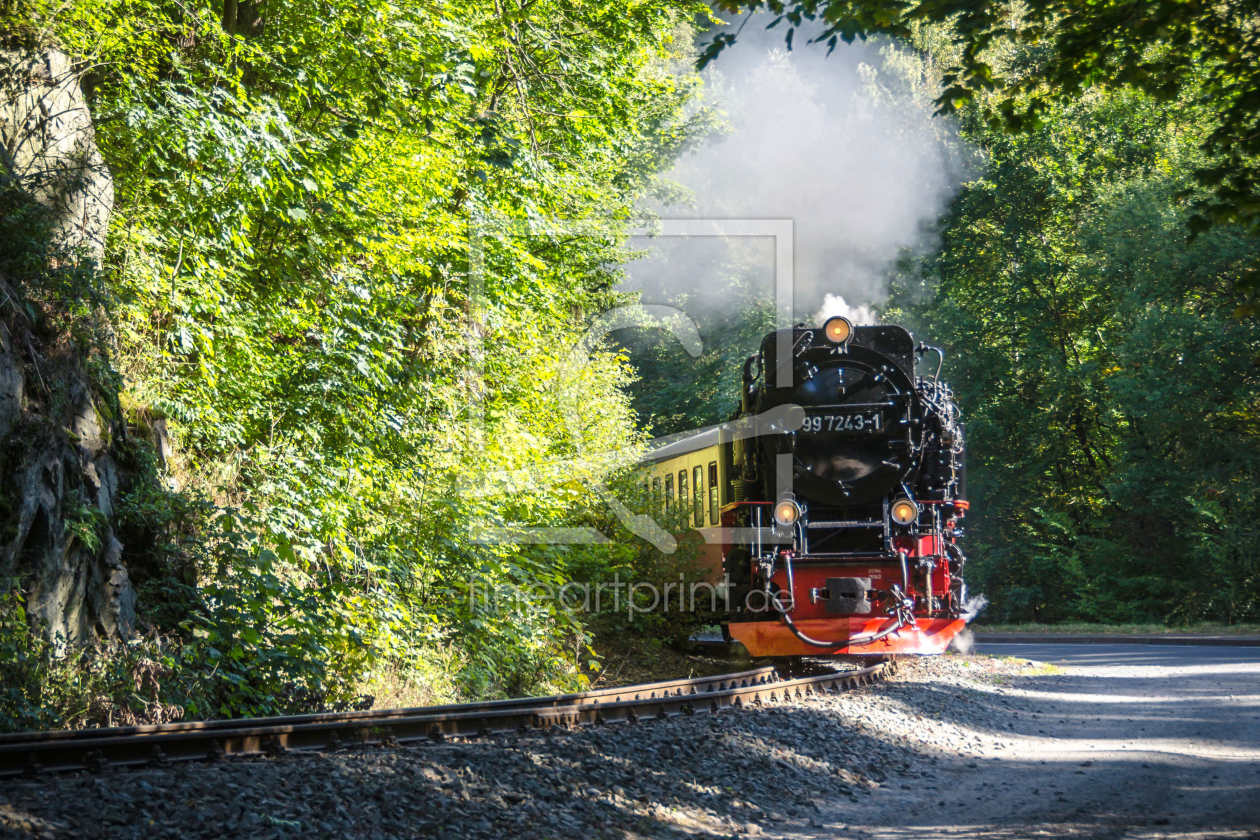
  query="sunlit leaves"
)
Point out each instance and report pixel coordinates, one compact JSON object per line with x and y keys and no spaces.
{"x":291,"y":245}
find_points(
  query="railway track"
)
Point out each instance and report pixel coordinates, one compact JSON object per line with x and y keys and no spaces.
{"x":96,"y":749}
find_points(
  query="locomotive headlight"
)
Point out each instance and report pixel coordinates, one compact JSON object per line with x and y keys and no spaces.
{"x":787,"y":512}
{"x":838,"y":330}
{"x":904,"y":512}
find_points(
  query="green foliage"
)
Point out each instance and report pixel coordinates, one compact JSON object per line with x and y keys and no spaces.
{"x":301,"y":197}
{"x":1110,"y":394}
{"x":676,"y":393}
{"x":44,"y":688}
{"x":257,"y":639}
{"x":309,"y":287}
{"x":1020,"y":62}
{"x":85,"y":524}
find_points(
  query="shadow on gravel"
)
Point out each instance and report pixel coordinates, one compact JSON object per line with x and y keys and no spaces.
{"x":798,"y":770}
{"x":1093,"y":754}
{"x":1093,"y":708}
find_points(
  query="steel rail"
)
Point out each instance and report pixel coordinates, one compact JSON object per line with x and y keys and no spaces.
{"x":376,"y":715}
{"x":95,"y":749}
{"x":28,"y":743}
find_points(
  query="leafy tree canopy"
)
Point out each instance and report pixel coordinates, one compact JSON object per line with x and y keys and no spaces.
{"x":1109,"y":391}
{"x":330,"y":276}
{"x":1160,"y":47}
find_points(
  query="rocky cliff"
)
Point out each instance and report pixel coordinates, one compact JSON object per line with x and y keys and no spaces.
{"x":60,"y":425}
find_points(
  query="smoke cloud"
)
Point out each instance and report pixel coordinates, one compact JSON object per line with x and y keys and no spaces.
{"x":973,"y":606}
{"x":845,"y":146}
{"x":964,"y":642}
{"x":834,"y":305}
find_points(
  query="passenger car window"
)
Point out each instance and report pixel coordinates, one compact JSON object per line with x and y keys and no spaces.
{"x":697,"y":499}
{"x":713,"y":493}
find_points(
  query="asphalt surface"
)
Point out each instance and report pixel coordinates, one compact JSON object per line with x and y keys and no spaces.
{"x":1120,"y":742}
{"x":1194,"y":640}
{"x":1101,"y":655}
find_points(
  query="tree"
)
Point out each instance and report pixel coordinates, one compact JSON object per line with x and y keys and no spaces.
{"x":291,"y":290}
{"x":1108,"y":390}
{"x":1208,"y":50}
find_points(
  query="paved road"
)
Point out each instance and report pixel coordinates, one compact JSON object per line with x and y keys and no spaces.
{"x":1098,"y":655}
{"x":1120,"y":742}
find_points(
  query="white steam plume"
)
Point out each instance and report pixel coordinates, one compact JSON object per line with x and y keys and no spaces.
{"x":834,"y":305}
{"x":973,"y":606}
{"x":963,"y":643}
{"x":966,"y":640}
{"x":845,"y":146}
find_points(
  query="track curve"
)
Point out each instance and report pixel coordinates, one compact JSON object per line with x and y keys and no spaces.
{"x":95,"y":749}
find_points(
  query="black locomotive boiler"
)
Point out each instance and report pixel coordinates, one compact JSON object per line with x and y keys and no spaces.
{"x":831,"y":505}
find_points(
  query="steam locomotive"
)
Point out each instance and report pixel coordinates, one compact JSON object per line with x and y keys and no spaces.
{"x":832,"y":503}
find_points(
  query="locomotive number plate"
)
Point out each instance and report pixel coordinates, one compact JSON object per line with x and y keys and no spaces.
{"x":862,"y":421}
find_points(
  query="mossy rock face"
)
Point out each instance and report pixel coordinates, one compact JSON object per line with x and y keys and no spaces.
{"x":48,"y":148}
{"x":65,"y":550}
{"x":59,"y":435}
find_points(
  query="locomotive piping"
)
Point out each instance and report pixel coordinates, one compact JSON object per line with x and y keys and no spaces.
{"x":962,"y":558}
{"x":860,"y":641}
{"x":924,"y":348}
{"x":952,"y":546}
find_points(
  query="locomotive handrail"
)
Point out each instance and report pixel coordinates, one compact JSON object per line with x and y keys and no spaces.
{"x":843,"y":524}
{"x":815,"y":407}
{"x":923,"y":349}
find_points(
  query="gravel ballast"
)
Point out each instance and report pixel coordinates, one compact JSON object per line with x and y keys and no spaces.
{"x":928,"y":740}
